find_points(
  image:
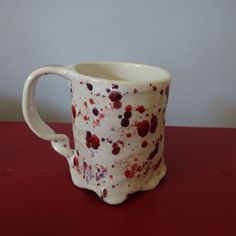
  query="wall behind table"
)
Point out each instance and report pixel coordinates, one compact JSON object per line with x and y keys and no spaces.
{"x":194,"y":40}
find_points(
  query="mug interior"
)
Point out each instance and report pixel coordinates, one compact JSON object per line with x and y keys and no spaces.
{"x":121,"y":71}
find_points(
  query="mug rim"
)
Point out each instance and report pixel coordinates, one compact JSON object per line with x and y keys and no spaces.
{"x":166,"y":76}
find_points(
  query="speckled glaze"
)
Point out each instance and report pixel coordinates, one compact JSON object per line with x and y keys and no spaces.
{"x":118,"y":116}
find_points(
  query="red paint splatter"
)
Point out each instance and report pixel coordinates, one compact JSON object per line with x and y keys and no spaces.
{"x":73,"y":111}
{"x":92,"y":140}
{"x":154,"y":152}
{"x":153,"y":124}
{"x":85,"y":165}
{"x":89,"y":86}
{"x":127,"y":114}
{"x":101,"y":116}
{"x":124,"y":122}
{"x":115,"y":86}
{"x":134,"y":167}
{"x":76,"y":161}
{"x":128,"y":108}
{"x":140,"y":109}
{"x":157,"y":165}
{"x":142,"y":128}
{"x":127,"y":174}
{"x":128,"y":135}
{"x":86,"y":104}
{"x":95,"y":111}
{"x":115,"y":148}
{"x":91,"y":101}
{"x":111,"y":176}
{"x":117,"y":105}
{"x":121,"y":142}
{"x":144,"y":144}
{"x":77,"y":152}
{"x":86,"y":118}
{"x":104,"y":170}
{"x":96,"y":122}
{"x":115,"y":96}
{"x":139,"y":169}
{"x":104,"y":193}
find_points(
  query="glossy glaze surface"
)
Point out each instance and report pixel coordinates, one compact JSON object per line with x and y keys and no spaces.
{"x":118,"y":126}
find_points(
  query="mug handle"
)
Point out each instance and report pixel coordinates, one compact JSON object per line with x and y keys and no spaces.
{"x":60,"y":142}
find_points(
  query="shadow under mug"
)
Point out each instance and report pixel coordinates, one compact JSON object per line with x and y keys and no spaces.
{"x":118,"y":117}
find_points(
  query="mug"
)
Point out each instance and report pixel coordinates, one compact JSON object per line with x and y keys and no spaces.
{"x":118,"y":119}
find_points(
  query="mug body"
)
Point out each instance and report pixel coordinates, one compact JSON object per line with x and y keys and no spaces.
{"x":118,"y":113}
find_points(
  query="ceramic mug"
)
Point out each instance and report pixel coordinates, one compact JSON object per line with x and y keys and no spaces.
{"x":118,"y":116}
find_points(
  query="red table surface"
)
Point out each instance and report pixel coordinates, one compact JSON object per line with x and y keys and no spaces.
{"x":197,"y":197}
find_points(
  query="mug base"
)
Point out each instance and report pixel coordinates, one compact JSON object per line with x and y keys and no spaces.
{"x":118,"y":195}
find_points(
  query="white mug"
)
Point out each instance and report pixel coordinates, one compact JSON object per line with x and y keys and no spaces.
{"x":118,"y":117}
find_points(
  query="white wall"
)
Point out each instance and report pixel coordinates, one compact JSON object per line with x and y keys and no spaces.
{"x":194,"y":39}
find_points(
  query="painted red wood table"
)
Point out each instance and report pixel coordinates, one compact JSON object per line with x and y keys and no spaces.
{"x":197,"y":197}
